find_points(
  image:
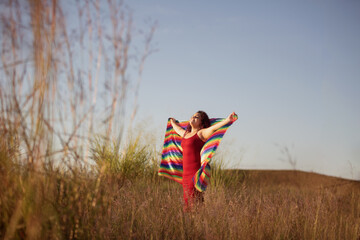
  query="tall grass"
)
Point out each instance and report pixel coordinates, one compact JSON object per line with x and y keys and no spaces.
{"x":112,"y":203}
{"x":64,"y":83}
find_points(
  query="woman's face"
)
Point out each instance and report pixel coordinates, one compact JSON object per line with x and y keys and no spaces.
{"x":195,"y":120}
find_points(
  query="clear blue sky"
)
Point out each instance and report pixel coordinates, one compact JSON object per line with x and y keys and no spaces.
{"x":289,"y":69}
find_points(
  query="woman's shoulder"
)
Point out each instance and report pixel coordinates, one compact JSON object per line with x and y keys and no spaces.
{"x":201,"y":135}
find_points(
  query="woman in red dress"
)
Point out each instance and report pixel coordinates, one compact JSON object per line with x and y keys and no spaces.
{"x":193,"y":139}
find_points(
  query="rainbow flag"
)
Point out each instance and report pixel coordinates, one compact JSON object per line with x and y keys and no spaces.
{"x":171,"y":159}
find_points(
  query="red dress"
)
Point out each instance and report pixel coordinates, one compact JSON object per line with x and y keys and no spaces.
{"x":191,"y":164}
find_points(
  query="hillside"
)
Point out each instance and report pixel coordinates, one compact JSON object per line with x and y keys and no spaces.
{"x":300,"y":179}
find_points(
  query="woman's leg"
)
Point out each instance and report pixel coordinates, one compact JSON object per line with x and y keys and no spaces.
{"x":191,"y":195}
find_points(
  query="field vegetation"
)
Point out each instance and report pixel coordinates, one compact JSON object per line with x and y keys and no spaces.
{"x":127,"y":200}
{"x":68,"y":172}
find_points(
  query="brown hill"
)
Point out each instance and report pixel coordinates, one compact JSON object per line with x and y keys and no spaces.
{"x":294,"y":178}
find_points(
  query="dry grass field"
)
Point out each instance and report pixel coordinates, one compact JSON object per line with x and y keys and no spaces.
{"x":292,"y":178}
{"x":78,"y":204}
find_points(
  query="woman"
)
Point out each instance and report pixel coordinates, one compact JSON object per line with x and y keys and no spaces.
{"x":193,"y":139}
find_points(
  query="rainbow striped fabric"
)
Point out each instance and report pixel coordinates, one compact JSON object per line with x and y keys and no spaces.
{"x":171,"y":160}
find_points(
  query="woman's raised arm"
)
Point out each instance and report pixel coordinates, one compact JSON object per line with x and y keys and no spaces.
{"x":178,"y":129}
{"x":205,"y":133}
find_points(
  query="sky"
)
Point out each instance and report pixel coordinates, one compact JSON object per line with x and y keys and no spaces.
{"x":289,"y":69}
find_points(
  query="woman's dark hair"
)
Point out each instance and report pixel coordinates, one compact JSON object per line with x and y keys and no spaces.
{"x":205,"y":121}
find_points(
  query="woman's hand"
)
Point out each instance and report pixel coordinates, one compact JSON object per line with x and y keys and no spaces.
{"x":172,"y":120}
{"x":232,"y":117}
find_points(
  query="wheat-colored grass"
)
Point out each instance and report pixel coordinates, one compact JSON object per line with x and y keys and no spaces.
{"x":108,"y":205}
